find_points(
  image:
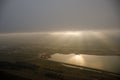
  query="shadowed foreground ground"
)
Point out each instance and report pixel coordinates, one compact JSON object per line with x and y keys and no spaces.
{"x":48,"y":70}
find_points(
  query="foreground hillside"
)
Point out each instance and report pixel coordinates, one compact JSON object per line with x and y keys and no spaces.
{"x":48,"y":70}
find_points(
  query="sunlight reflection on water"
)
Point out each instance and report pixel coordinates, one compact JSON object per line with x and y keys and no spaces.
{"x":109,"y":63}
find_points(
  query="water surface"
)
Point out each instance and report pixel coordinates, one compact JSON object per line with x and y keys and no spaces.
{"x":108,"y":63}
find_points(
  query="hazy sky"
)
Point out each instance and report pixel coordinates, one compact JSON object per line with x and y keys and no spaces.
{"x":59,"y":15}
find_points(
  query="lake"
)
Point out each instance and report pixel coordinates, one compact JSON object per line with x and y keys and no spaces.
{"x":107,"y":63}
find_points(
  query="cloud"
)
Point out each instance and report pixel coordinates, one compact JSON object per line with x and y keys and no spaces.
{"x":59,"y":15}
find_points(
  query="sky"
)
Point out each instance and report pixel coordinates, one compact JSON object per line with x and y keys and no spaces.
{"x":58,"y":15}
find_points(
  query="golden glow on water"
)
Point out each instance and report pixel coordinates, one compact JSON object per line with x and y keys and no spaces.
{"x":76,"y":59}
{"x":71,"y":58}
{"x":109,"y":63}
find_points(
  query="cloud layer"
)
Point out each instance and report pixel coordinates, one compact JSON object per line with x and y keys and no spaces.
{"x":58,"y":15}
